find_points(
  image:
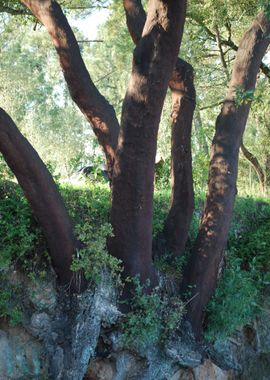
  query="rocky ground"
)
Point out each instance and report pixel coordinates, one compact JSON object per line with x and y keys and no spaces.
{"x":65,"y":337}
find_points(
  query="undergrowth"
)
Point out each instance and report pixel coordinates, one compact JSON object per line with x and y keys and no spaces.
{"x":151,"y":319}
{"x":237,"y":299}
{"x":239,"y":296}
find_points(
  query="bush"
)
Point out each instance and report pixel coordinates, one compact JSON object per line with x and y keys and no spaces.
{"x":239,"y":295}
{"x":19,"y":232}
{"x":235,"y":303}
{"x":94,"y":258}
{"x":152,"y":318}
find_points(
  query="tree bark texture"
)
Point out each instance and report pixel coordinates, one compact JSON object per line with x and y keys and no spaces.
{"x":183,"y":105}
{"x":182,"y":197}
{"x":132,"y":190}
{"x":256,"y":165}
{"x":43,"y":196}
{"x":201,"y":273}
{"x":93,"y":105}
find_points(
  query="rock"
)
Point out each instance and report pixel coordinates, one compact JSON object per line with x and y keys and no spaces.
{"x":183,"y":349}
{"x":127,"y":366}
{"x":209,"y":370}
{"x":262,"y":328}
{"x":21,"y":356}
{"x":101,"y":369}
{"x":183,"y":374}
{"x":66,"y":325}
{"x":182,"y":354}
{"x":42,"y":294}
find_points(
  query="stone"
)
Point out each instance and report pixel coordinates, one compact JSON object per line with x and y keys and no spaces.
{"x":21,"y":356}
{"x":101,"y":369}
{"x":183,"y":349}
{"x":183,"y":374}
{"x":209,"y":371}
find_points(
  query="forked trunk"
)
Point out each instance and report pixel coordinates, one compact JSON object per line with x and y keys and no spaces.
{"x":183,"y":104}
{"x":132,"y":192}
{"x":201,"y":273}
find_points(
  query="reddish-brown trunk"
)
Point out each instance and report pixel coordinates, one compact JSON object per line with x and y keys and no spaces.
{"x":93,"y":105}
{"x":43,"y":196}
{"x":132,"y":196}
{"x":182,"y":197}
{"x":183,"y":104}
{"x":201,"y":273}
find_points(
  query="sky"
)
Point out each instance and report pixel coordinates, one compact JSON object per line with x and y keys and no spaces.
{"x":89,"y":25}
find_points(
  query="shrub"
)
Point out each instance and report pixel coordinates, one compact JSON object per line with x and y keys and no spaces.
{"x":152,"y":318}
{"x":239,"y":295}
{"x":94,"y":259}
{"x":235,"y":303}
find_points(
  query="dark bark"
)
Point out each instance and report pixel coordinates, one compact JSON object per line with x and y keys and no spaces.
{"x":201,"y":273}
{"x":132,"y":191}
{"x":256,"y":165}
{"x":44,"y":198}
{"x":135,"y":17}
{"x":182,"y":197}
{"x":93,"y":105}
{"x":183,"y":104}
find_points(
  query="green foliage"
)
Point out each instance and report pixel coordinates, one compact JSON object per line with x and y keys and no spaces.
{"x":161,"y":204}
{"x":236,"y":302}
{"x":265,"y":5}
{"x":89,"y":208}
{"x":162,"y":175}
{"x":8,"y":298}
{"x":19,"y":234}
{"x":239,"y":295}
{"x":94,"y":258}
{"x":152,"y":318}
{"x":244,"y":97}
{"x":170,"y":265}
{"x":87,"y":204}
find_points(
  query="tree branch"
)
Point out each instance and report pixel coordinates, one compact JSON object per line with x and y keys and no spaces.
{"x":43,"y":196}
{"x":256,"y":165}
{"x":14,"y":12}
{"x":222,"y":55}
{"x":226,"y":42}
{"x":93,"y":105}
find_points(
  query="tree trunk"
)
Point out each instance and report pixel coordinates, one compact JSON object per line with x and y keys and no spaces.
{"x":183,"y":104}
{"x":182,"y":197}
{"x":201,"y":273}
{"x":132,"y":191}
{"x":93,"y":105}
{"x":256,"y":165}
{"x":44,"y":199}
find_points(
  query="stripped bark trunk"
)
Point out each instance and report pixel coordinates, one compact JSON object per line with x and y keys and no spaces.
{"x":93,"y":105}
{"x":183,"y":104}
{"x":133,"y":179}
{"x":201,"y":273}
{"x":256,"y":165}
{"x":182,"y":196}
{"x":44,"y":198}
